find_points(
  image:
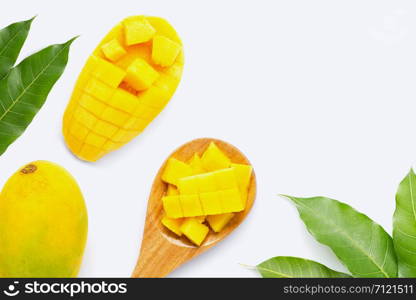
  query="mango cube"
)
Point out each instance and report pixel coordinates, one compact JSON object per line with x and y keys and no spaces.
{"x":104,"y":128}
{"x":211,"y":203}
{"x":174,"y":170}
{"x":188,"y":186}
{"x":206,"y":183}
{"x":173,"y":224}
{"x":164,"y":51}
{"x":231,"y":201}
{"x":78,"y":130}
{"x":243,"y":175}
{"x":90,"y":152}
{"x":154,"y":97}
{"x":98,"y":90}
{"x":95,"y":140}
{"x":137,"y":30}
{"x":113,"y":50}
{"x":214,"y":159}
{"x":91,"y":104}
{"x":196,"y":164}
{"x":172,"y":207}
{"x":140,"y":75}
{"x":172,"y":190}
{"x":218,"y":222}
{"x":225,"y":179}
{"x":108,"y":73}
{"x":114,"y":116}
{"x":84,"y":117}
{"x":123,"y":100}
{"x":191,"y":206}
{"x":194,"y":231}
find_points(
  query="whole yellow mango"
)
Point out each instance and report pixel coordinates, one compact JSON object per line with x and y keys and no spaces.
{"x":43,"y":223}
{"x":126,"y":82}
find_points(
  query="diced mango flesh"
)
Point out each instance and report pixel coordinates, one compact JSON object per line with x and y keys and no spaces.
{"x":174,"y":170}
{"x":191,"y":206}
{"x":211,"y":203}
{"x":108,"y":74}
{"x":196,"y":164}
{"x":188,"y":186}
{"x":231,"y":201}
{"x":194,"y":231}
{"x":113,"y":50}
{"x":172,"y":206}
{"x":138,"y":30}
{"x":106,"y":111}
{"x":164,"y":51}
{"x":243,"y":174}
{"x":214,"y":159}
{"x":140,"y":75}
{"x":213,"y":197}
{"x":173,"y":225}
{"x":217,"y":191}
{"x":218,"y":222}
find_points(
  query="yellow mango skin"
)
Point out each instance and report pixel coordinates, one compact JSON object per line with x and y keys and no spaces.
{"x":94,"y":125}
{"x":43,"y":223}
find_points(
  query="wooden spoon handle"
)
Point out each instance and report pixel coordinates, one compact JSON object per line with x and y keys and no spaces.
{"x":158,"y":256}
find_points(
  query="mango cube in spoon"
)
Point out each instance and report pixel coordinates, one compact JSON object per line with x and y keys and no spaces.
{"x":206,"y":182}
{"x":243,"y":174}
{"x":225,"y":179}
{"x":173,"y":225}
{"x":214,"y":159}
{"x":218,"y":222}
{"x":172,"y":206}
{"x":191,"y":206}
{"x":196,"y":164}
{"x":211,"y":203}
{"x":188,"y":186}
{"x":174,"y":170}
{"x":231,"y":201}
{"x":194,"y":231}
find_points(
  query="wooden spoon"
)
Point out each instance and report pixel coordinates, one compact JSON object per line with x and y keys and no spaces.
{"x":162,"y":251}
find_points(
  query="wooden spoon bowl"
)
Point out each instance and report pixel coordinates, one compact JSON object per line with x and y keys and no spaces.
{"x":161,"y":250}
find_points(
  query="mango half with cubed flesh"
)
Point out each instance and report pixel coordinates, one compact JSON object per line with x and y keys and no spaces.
{"x":125,"y":84}
{"x":43,"y":223}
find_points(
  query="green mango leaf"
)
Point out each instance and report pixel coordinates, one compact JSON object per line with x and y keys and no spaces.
{"x":295,"y":267}
{"x":25,"y":88}
{"x":404,"y":226}
{"x":362,"y":245}
{"x":12,"y":39}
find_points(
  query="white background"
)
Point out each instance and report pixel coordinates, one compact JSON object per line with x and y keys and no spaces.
{"x":320,"y":95}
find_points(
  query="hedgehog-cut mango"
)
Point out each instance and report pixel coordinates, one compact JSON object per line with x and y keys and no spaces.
{"x":124,"y":85}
